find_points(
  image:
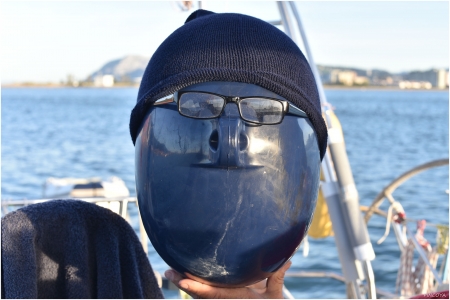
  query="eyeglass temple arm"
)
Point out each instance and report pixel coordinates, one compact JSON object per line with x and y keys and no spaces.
{"x":296,"y":111}
{"x":165,"y":100}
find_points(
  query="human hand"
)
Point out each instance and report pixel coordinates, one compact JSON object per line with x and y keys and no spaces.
{"x":272,"y":288}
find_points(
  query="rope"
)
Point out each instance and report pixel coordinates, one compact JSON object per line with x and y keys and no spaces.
{"x":418,"y":279}
{"x":423,"y":275}
{"x":405,"y":280}
{"x":399,"y":216}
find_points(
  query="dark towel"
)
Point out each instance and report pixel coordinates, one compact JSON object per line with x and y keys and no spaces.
{"x":73,"y":249}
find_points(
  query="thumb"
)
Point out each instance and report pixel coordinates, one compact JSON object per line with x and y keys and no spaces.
{"x":276,"y":281}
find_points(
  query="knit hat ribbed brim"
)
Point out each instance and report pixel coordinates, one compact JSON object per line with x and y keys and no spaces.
{"x":230,"y":47}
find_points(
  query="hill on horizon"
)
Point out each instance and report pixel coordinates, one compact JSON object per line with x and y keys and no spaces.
{"x":128,"y":68}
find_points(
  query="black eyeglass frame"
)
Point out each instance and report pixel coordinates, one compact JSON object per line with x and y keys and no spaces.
{"x":288,"y":108}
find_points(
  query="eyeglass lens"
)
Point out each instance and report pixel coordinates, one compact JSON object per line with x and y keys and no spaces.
{"x":205,"y":106}
{"x":200,"y":105}
{"x":264,"y":111}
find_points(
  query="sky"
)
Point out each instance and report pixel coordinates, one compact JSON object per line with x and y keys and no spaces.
{"x":45,"y":41}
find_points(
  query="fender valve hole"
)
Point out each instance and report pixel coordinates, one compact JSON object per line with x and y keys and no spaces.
{"x":243,"y":141}
{"x":214,"y":140}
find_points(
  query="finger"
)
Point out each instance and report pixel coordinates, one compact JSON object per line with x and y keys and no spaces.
{"x":200,"y":290}
{"x":276,"y":281}
{"x":259,"y":285}
{"x":174,"y":276}
{"x":194,"y":288}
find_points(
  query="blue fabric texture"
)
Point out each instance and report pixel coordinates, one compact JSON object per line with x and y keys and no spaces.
{"x":73,"y":249}
{"x":230,"y":47}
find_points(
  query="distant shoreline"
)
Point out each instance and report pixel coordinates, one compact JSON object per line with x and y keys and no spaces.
{"x":327,"y":87}
{"x":7,"y":86}
{"x":57,"y":85}
{"x":379,"y":88}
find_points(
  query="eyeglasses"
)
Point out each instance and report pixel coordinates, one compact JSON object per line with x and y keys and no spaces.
{"x":257,"y":110}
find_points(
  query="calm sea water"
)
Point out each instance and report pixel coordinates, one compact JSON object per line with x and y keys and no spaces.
{"x":84,"y":133}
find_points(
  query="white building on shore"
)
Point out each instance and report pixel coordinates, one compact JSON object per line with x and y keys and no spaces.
{"x":104,"y":81}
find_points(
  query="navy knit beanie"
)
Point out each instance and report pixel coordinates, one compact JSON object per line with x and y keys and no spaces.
{"x":230,"y":47}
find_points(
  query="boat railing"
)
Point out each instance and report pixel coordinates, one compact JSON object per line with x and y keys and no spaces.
{"x":410,"y":242}
{"x":402,"y":234}
{"x":386,"y":193}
